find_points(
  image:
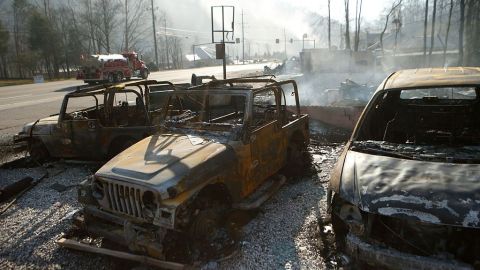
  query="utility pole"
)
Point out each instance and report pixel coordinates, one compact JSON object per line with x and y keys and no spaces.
{"x":166,"y":39}
{"x":243,"y":41}
{"x":126,"y":25}
{"x":329,"y":28}
{"x":285,"y":43}
{"x":154,"y":35}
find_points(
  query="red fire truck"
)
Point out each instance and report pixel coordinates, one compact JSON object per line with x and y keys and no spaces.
{"x":111,"y":68}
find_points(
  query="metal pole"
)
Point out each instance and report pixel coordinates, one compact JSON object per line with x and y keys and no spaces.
{"x":303,"y":42}
{"x":243,"y":41}
{"x":166,"y":40}
{"x":193,"y":50}
{"x":223,"y":41}
{"x":154,"y":35}
{"x":285,"y":43}
{"x":126,"y":25}
{"x":314,"y":43}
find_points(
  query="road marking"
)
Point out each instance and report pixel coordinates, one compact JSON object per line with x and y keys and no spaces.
{"x":17,"y":96}
{"x":28,"y":103}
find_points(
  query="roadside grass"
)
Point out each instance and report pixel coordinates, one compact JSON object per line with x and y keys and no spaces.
{"x":14,"y":82}
{"x":10,"y":82}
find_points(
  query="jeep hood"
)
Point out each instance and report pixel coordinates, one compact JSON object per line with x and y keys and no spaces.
{"x":168,"y":160}
{"x":43,"y":127}
{"x":431,"y":192}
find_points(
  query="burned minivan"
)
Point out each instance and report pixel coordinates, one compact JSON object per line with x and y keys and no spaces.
{"x":405,"y":193}
{"x":219,"y":145}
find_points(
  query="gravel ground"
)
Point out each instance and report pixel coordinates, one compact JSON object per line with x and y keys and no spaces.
{"x":287,"y":233}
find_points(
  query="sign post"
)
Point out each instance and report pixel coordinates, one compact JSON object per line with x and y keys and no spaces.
{"x":222,"y":32}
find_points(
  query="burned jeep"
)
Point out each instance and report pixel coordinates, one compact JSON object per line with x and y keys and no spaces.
{"x":94,"y":123}
{"x":219,"y":147}
{"x":405,"y":193}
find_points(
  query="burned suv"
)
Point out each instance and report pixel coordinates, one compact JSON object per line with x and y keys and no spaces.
{"x":405,"y":193}
{"x":95,"y":122}
{"x":219,"y":144}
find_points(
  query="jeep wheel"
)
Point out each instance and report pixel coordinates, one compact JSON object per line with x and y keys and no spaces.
{"x":209,"y":236}
{"x":38,"y":151}
{"x":205,"y":224}
{"x":298,"y":158}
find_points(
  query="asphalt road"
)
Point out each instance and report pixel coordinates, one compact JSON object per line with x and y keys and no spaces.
{"x":26,"y":103}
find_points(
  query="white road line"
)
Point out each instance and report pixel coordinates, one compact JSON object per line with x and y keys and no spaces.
{"x":17,"y":96}
{"x":28,"y":103}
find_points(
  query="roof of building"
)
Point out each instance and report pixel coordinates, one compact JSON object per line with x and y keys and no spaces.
{"x":430,"y":77}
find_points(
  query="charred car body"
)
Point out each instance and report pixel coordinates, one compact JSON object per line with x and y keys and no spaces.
{"x":405,"y":193}
{"x":94,"y":122}
{"x":207,"y":159}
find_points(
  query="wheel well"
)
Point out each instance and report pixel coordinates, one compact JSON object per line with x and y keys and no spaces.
{"x":218,"y":192}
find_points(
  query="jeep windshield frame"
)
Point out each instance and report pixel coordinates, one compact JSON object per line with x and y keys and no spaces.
{"x":194,"y":109}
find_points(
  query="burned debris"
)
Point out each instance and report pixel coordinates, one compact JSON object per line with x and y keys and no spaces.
{"x":405,"y":192}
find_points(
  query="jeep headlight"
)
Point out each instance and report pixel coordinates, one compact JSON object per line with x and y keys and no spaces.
{"x":149,"y":205}
{"x":97,"y":190}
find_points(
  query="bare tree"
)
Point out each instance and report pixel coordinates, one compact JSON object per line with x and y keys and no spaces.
{"x":329,"y":28}
{"x":445,"y":46}
{"x":358,"y":16}
{"x":394,"y":7}
{"x":347,"y":25}
{"x":460,"y":32}
{"x":425,"y":34}
{"x":471,"y":33}
{"x":90,"y":21}
{"x":4,"y":36}
{"x":135,"y":28}
{"x":432,"y":34}
{"x":20,"y":9}
{"x":106,"y":12}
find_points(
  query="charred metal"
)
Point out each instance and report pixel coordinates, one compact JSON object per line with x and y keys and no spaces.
{"x":218,"y":145}
{"x":118,"y":116}
{"x":405,"y":191}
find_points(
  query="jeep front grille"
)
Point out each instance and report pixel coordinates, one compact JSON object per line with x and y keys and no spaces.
{"x":124,"y":199}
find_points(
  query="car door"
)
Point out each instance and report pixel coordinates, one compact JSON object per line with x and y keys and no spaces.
{"x":266,"y":142}
{"x":80,"y":125}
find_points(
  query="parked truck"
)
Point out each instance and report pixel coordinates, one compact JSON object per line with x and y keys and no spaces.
{"x":112,"y":68}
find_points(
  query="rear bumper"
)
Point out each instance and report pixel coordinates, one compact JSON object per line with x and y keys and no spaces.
{"x":388,"y":258}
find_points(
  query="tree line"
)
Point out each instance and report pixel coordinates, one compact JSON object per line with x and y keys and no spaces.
{"x":49,"y":37}
{"x":439,"y":19}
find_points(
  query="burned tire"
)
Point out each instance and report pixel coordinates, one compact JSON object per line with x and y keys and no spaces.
{"x":205,"y":224}
{"x":38,"y":151}
{"x":208,"y":230}
{"x":298,"y":158}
